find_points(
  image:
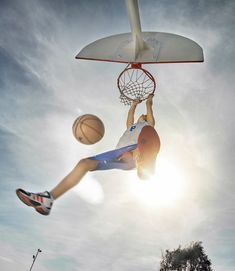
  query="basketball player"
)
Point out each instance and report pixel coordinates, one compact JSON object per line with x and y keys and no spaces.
{"x":137,"y":148}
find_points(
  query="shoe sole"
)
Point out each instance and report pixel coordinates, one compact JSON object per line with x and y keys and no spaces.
{"x":148,"y":140}
{"x":40,"y":211}
{"x":30,"y":202}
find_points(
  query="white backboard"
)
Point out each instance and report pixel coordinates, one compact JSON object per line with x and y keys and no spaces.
{"x":158,"y":47}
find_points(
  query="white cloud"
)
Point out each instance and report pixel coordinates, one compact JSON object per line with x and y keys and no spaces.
{"x":90,"y":190}
{"x":6,"y":259}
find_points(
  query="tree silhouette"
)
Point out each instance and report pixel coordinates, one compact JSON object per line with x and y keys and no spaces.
{"x":191,"y":258}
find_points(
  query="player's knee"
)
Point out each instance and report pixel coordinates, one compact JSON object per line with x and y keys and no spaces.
{"x":83,"y":162}
{"x":87,"y":163}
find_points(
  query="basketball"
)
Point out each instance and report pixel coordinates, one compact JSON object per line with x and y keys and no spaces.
{"x":88,"y":129}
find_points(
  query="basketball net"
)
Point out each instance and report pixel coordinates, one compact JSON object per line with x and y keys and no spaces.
{"x":135,"y":83}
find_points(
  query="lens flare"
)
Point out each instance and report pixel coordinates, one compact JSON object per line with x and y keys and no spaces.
{"x":165,"y":188}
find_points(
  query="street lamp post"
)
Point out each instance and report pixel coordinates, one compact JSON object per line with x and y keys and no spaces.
{"x":34,"y":259}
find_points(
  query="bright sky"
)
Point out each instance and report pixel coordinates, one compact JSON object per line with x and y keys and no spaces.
{"x":112,"y":220}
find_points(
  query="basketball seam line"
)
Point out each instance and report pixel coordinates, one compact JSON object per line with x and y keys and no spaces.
{"x":93,"y":129}
{"x":85,"y":135}
{"x":75,"y":126}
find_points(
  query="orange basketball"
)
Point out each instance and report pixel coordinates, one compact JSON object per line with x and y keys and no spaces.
{"x":88,"y":129}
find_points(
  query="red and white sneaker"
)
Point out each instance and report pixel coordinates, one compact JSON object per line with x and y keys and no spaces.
{"x":41,"y":202}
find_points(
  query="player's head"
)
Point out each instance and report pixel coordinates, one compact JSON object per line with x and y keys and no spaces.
{"x":142,"y":118}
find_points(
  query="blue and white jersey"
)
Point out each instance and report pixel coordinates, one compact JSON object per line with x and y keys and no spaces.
{"x":130,"y":136}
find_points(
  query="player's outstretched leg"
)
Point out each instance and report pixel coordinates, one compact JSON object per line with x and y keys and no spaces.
{"x":42,"y":202}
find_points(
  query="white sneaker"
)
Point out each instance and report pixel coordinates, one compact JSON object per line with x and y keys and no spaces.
{"x":41,"y":202}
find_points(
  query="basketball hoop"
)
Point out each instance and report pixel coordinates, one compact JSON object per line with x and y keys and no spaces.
{"x":138,"y":48}
{"x":135,"y":83}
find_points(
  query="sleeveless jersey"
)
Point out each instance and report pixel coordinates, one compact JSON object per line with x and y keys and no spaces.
{"x":130,"y":136}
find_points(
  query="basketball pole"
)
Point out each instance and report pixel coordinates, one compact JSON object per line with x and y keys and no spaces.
{"x":34,"y":259}
{"x":134,"y":20}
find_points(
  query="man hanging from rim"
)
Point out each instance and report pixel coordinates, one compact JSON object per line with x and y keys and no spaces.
{"x":137,"y":148}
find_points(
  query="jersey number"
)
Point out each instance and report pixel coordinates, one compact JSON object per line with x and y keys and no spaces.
{"x":132,"y":127}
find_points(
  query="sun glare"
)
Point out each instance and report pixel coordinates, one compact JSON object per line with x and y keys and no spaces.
{"x":161,"y":190}
{"x":90,"y":190}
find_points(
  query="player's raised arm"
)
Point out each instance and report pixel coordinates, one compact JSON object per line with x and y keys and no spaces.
{"x":131,"y":113}
{"x":149,"y":106}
